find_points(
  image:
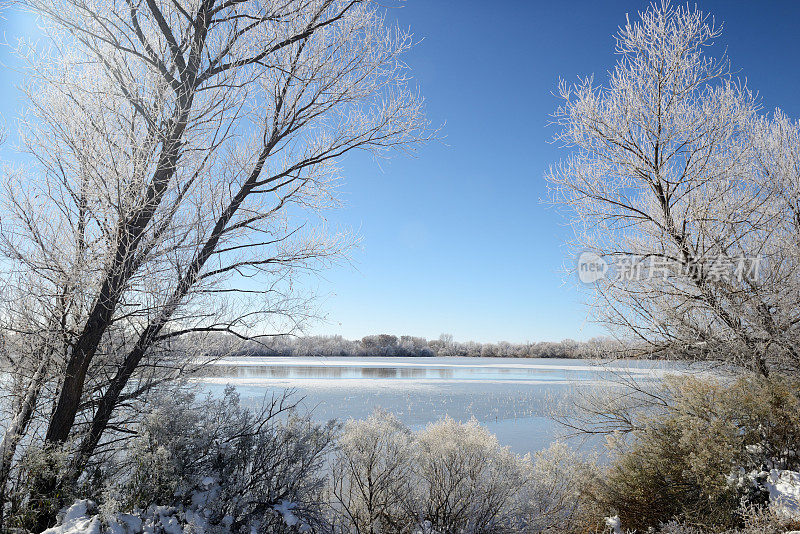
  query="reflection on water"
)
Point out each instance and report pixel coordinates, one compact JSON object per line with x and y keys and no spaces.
{"x":322,"y":370}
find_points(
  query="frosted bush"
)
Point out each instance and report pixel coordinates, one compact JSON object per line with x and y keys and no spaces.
{"x":465,"y":481}
{"x":450,"y":477}
{"x":553,"y":497}
{"x":38,"y":463}
{"x":223,"y":465}
{"x":371,"y":475}
{"x":707,"y":449}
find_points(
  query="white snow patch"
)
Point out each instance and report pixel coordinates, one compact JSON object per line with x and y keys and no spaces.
{"x":784,"y":492}
{"x":77,"y":521}
{"x":124,"y":524}
{"x":285,"y":509}
{"x":614,"y":524}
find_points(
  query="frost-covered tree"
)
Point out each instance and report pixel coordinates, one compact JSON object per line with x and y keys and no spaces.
{"x":371,"y":476}
{"x":465,"y":481}
{"x":181,"y":154}
{"x":449,"y":477}
{"x":675,"y":178}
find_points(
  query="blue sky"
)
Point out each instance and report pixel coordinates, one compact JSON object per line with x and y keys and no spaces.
{"x":457,"y":239}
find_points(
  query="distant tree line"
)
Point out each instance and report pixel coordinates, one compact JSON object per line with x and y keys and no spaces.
{"x":412,"y":346}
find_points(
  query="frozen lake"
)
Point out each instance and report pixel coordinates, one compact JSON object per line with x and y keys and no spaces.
{"x":512,"y":397}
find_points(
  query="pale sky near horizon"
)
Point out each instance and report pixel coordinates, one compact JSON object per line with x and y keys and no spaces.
{"x":457,"y":239}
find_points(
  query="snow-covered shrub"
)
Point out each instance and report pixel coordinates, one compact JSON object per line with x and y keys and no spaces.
{"x":465,"y":481}
{"x":231,"y":466}
{"x":371,"y":476}
{"x":700,"y":457}
{"x":449,"y":477}
{"x":553,"y":499}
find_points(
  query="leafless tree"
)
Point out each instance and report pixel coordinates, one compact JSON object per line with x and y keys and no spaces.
{"x":465,"y":481}
{"x":183,"y":153}
{"x":371,"y":476}
{"x":672,"y":165}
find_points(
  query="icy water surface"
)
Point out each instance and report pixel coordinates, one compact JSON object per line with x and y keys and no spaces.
{"x":512,"y":397}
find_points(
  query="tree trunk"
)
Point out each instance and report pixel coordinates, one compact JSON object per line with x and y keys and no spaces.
{"x":111,"y":396}
{"x":130,"y":233}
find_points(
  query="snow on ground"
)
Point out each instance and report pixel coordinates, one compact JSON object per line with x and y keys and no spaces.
{"x":784,"y":492}
{"x":77,"y":520}
{"x":83,"y":518}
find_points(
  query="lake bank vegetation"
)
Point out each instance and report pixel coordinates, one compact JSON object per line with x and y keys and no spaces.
{"x":410,"y":346}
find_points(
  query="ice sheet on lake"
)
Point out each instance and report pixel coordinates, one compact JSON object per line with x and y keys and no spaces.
{"x":513,"y":397}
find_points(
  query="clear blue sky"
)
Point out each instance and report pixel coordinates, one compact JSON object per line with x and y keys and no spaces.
{"x":457,"y":239}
